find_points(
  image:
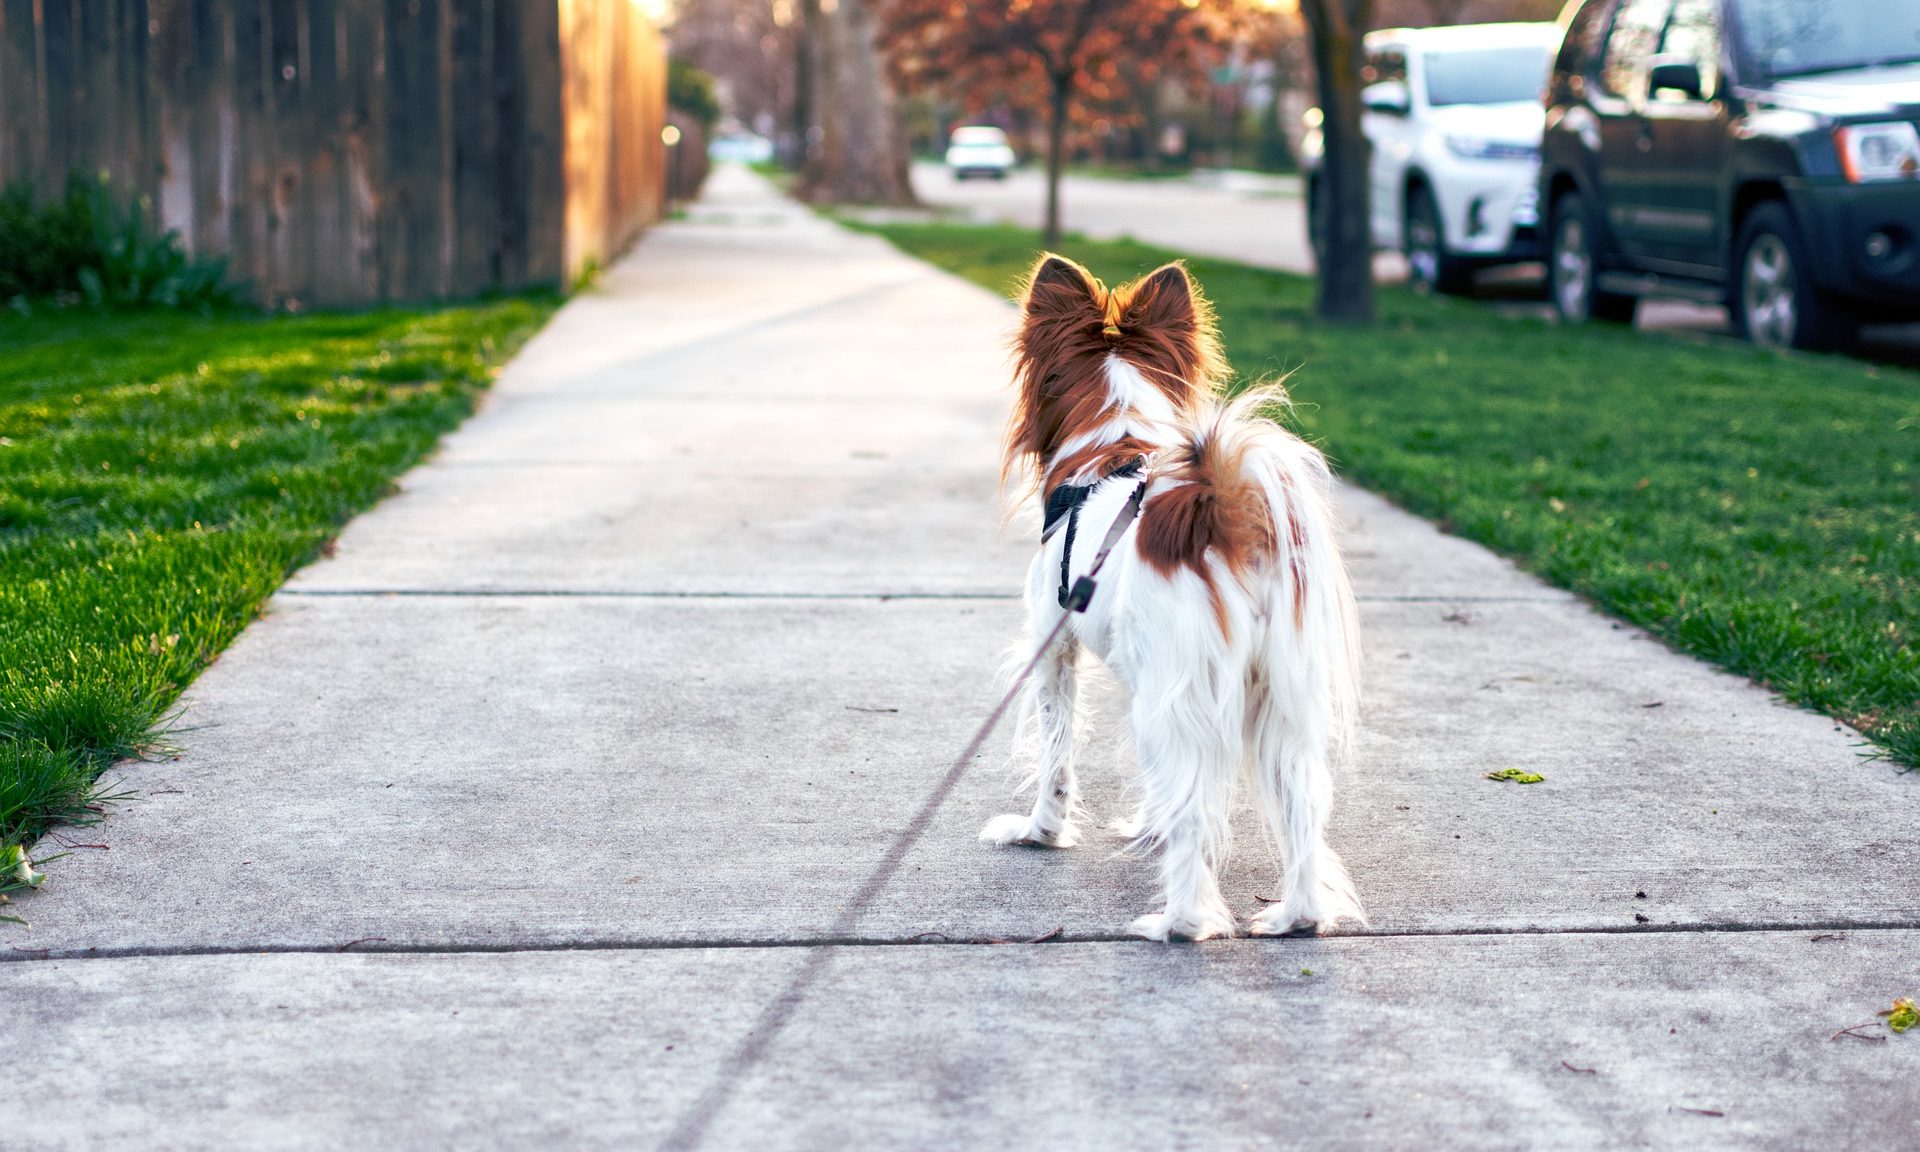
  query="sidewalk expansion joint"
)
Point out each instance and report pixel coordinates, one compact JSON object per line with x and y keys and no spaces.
{"x":683,"y":594}
{"x":378,"y":947}
{"x":626,"y":594}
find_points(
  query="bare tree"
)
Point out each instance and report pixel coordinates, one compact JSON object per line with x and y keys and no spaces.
{"x":860,"y":155}
{"x":1345,"y":288}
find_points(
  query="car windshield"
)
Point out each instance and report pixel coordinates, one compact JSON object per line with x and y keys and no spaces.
{"x":1798,"y":38}
{"x":1487,"y":75}
{"x":978,"y":137}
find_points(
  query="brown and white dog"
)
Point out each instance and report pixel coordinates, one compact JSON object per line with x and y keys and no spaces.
{"x":1224,"y":610}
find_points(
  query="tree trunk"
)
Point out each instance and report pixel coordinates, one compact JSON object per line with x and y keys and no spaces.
{"x":1057,"y":109}
{"x":1345,"y":290}
{"x":803,"y":53}
{"x":860,"y":158}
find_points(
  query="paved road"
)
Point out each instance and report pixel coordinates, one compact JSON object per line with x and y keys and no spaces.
{"x":591,"y":796}
{"x":1261,"y":220}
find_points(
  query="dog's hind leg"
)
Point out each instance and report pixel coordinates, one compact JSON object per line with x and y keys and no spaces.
{"x":1189,"y":754}
{"x":1050,"y":709}
{"x":1290,"y":762}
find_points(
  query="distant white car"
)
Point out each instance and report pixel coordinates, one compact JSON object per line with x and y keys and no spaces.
{"x":741,"y":147}
{"x":1455,"y":119}
{"x":979,"y":150}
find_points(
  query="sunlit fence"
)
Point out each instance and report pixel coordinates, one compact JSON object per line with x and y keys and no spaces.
{"x":342,"y":152}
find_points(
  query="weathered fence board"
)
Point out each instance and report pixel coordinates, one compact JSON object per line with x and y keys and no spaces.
{"x":342,"y":152}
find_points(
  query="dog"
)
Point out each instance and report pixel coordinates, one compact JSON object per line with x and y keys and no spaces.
{"x":1224,"y":609}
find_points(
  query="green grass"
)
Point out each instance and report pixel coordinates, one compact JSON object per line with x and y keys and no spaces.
{"x":160,"y":474}
{"x":1759,"y":510}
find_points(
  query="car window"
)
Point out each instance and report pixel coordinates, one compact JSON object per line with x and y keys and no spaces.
{"x":1800,"y":37}
{"x":1384,"y":64}
{"x":1487,"y":75}
{"x":1588,"y":30}
{"x":1694,"y":32}
{"x":1636,"y":29}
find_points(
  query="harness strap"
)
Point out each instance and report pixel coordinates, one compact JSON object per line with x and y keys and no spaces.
{"x":1077,"y":597}
{"x":1066,"y":499}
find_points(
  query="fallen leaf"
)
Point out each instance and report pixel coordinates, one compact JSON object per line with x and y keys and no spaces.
{"x":1517,"y":775}
{"x":1903,"y":1015}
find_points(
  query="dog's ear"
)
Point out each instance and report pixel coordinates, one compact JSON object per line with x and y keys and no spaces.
{"x":1163,"y":300}
{"x":1058,"y":287}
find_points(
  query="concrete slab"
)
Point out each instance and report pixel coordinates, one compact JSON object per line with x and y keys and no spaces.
{"x":1561,"y":1042}
{"x":546,"y":770}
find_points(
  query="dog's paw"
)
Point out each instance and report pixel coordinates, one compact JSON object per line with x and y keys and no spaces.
{"x":1017,"y":829}
{"x":1166,"y":926}
{"x":1278,"y":921}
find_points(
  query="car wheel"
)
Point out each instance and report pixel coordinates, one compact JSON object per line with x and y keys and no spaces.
{"x":1430,"y":267}
{"x":1573,"y":269}
{"x":1774,"y":302}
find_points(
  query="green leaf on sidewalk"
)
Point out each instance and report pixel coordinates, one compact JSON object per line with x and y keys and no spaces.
{"x":1903,"y":1015}
{"x":1517,"y":775}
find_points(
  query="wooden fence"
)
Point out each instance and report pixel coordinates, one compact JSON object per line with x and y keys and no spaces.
{"x":347,"y":152}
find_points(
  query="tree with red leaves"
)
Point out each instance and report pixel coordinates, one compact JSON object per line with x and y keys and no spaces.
{"x":1052,"y":52}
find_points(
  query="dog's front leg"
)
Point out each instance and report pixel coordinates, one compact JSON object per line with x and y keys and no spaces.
{"x":1052,"y":700}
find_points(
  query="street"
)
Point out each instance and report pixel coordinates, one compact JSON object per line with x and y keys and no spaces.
{"x":1261,"y":219}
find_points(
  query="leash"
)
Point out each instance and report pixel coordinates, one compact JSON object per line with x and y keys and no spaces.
{"x":1076,"y":600}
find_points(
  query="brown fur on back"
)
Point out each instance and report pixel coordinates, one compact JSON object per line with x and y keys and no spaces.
{"x":1214,"y":509}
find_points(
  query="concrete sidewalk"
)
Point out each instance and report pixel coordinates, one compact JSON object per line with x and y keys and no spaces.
{"x":586,"y":798}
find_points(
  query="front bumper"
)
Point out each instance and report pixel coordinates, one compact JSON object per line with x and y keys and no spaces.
{"x":1863,"y":241}
{"x":1491,"y":210}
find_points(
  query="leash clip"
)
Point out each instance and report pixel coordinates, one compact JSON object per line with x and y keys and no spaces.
{"x":1080,"y":596}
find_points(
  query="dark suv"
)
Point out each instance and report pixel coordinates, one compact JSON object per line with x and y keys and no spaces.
{"x":1760,"y":153}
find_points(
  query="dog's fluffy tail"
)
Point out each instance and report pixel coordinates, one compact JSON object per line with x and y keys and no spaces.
{"x":1261,"y":501}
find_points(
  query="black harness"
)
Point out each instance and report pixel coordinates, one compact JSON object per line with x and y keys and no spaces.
{"x":1063,"y":503}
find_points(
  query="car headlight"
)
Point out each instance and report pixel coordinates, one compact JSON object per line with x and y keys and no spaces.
{"x":1481,"y":148}
{"x":1871,"y":152}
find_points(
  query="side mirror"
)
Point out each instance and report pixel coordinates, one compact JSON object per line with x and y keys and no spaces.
{"x":1675,"y":74}
{"x":1389,"y":97}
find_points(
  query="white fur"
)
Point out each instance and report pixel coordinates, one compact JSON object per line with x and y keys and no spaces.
{"x":1265,"y":701}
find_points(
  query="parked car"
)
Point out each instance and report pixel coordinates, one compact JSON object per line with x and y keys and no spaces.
{"x":979,"y":150}
{"x":1454,"y":117}
{"x":741,"y":147}
{"x":1757,"y":153}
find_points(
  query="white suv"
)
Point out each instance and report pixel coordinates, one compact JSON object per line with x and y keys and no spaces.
{"x":1455,"y":117}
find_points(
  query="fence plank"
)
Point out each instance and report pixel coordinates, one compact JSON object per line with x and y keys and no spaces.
{"x":341,"y":152}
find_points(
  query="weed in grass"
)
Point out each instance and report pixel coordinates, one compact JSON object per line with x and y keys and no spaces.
{"x":1755,"y":509}
{"x":160,"y":475}
{"x":88,"y":246}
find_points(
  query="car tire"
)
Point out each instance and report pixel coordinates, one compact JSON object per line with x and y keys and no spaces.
{"x":1772,"y":299}
{"x":1430,"y":267}
{"x":1573,"y":268}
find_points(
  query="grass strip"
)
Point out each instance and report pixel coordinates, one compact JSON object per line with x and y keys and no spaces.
{"x":161,"y":474}
{"x":1757,"y":509}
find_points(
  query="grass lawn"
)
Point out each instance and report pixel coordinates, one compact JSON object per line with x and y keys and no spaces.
{"x":160,"y":474}
{"x":1756,"y":509}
